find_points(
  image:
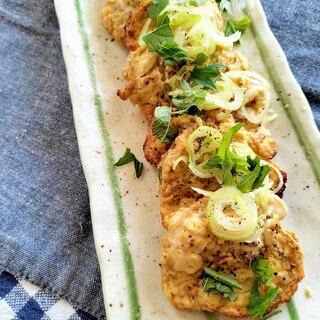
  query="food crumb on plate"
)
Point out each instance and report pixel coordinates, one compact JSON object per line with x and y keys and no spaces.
{"x":307,"y":292}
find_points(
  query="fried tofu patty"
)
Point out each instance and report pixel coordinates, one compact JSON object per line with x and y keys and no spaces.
{"x":257,"y":136}
{"x":145,"y":73}
{"x":188,"y":246}
{"x":175,"y":184}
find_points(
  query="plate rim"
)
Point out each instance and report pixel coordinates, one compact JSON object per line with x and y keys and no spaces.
{"x":311,"y":131}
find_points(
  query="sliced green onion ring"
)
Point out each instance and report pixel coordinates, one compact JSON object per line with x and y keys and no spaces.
{"x":253,"y":77}
{"x":256,"y":116}
{"x":271,"y":204}
{"x":203,"y":140}
{"x":229,"y":96}
{"x":232,"y":215}
{"x":257,"y":83}
{"x":203,"y":192}
{"x":195,"y":28}
{"x":279,"y":174}
{"x":225,"y":40}
{"x":205,"y":173}
{"x":143,"y":32}
{"x":242,"y":149}
{"x":178,"y":160}
{"x":175,"y":81}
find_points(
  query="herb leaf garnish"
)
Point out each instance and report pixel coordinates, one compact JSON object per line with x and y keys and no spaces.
{"x":226,"y":140}
{"x":171,"y":53}
{"x":255,"y":178}
{"x":156,"y":9}
{"x":225,"y":5}
{"x":161,"y":125}
{"x":218,"y":283}
{"x":223,"y":278}
{"x":161,"y":41}
{"x":161,"y":34}
{"x":237,"y":25}
{"x":126,"y":158}
{"x":130,"y":157}
{"x":213,"y":286}
{"x":191,"y":97}
{"x":200,"y":58}
{"x":262,"y":271}
{"x":250,"y":173}
{"x":207,"y":76}
{"x":226,"y":160}
{"x":258,"y":305}
{"x":138,"y":166}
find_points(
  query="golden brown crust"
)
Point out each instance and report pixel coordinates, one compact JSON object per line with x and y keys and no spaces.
{"x":113,"y":17}
{"x":153,"y":148}
{"x":264,"y":146}
{"x":285,"y":256}
{"x":134,"y":25}
{"x":124,"y":20}
{"x":143,"y":81}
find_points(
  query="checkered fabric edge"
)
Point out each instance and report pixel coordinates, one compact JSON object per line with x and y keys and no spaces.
{"x":21,"y":300}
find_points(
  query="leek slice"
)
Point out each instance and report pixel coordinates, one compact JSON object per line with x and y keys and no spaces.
{"x":203,"y":140}
{"x":229,"y":96}
{"x":252,"y":77}
{"x":177,"y":161}
{"x":143,"y":32}
{"x":195,"y":29}
{"x":280,"y":177}
{"x":242,"y":149}
{"x":200,"y":172}
{"x":232,"y":215}
{"x":257,"y":84}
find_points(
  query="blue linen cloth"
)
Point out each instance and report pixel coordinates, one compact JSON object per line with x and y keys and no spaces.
{"x":296,"y":25}
{"x":20,"y":300}
{"x":46,"y":233}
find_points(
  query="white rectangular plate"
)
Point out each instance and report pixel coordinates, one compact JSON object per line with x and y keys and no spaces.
{"x":125,"y":210}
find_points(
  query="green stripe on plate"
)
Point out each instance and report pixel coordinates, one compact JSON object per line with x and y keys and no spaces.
{"x":298,"y":127}
{"x":281,"y":92}
{"x":126,"y":254}
{"x":292,"y":310}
